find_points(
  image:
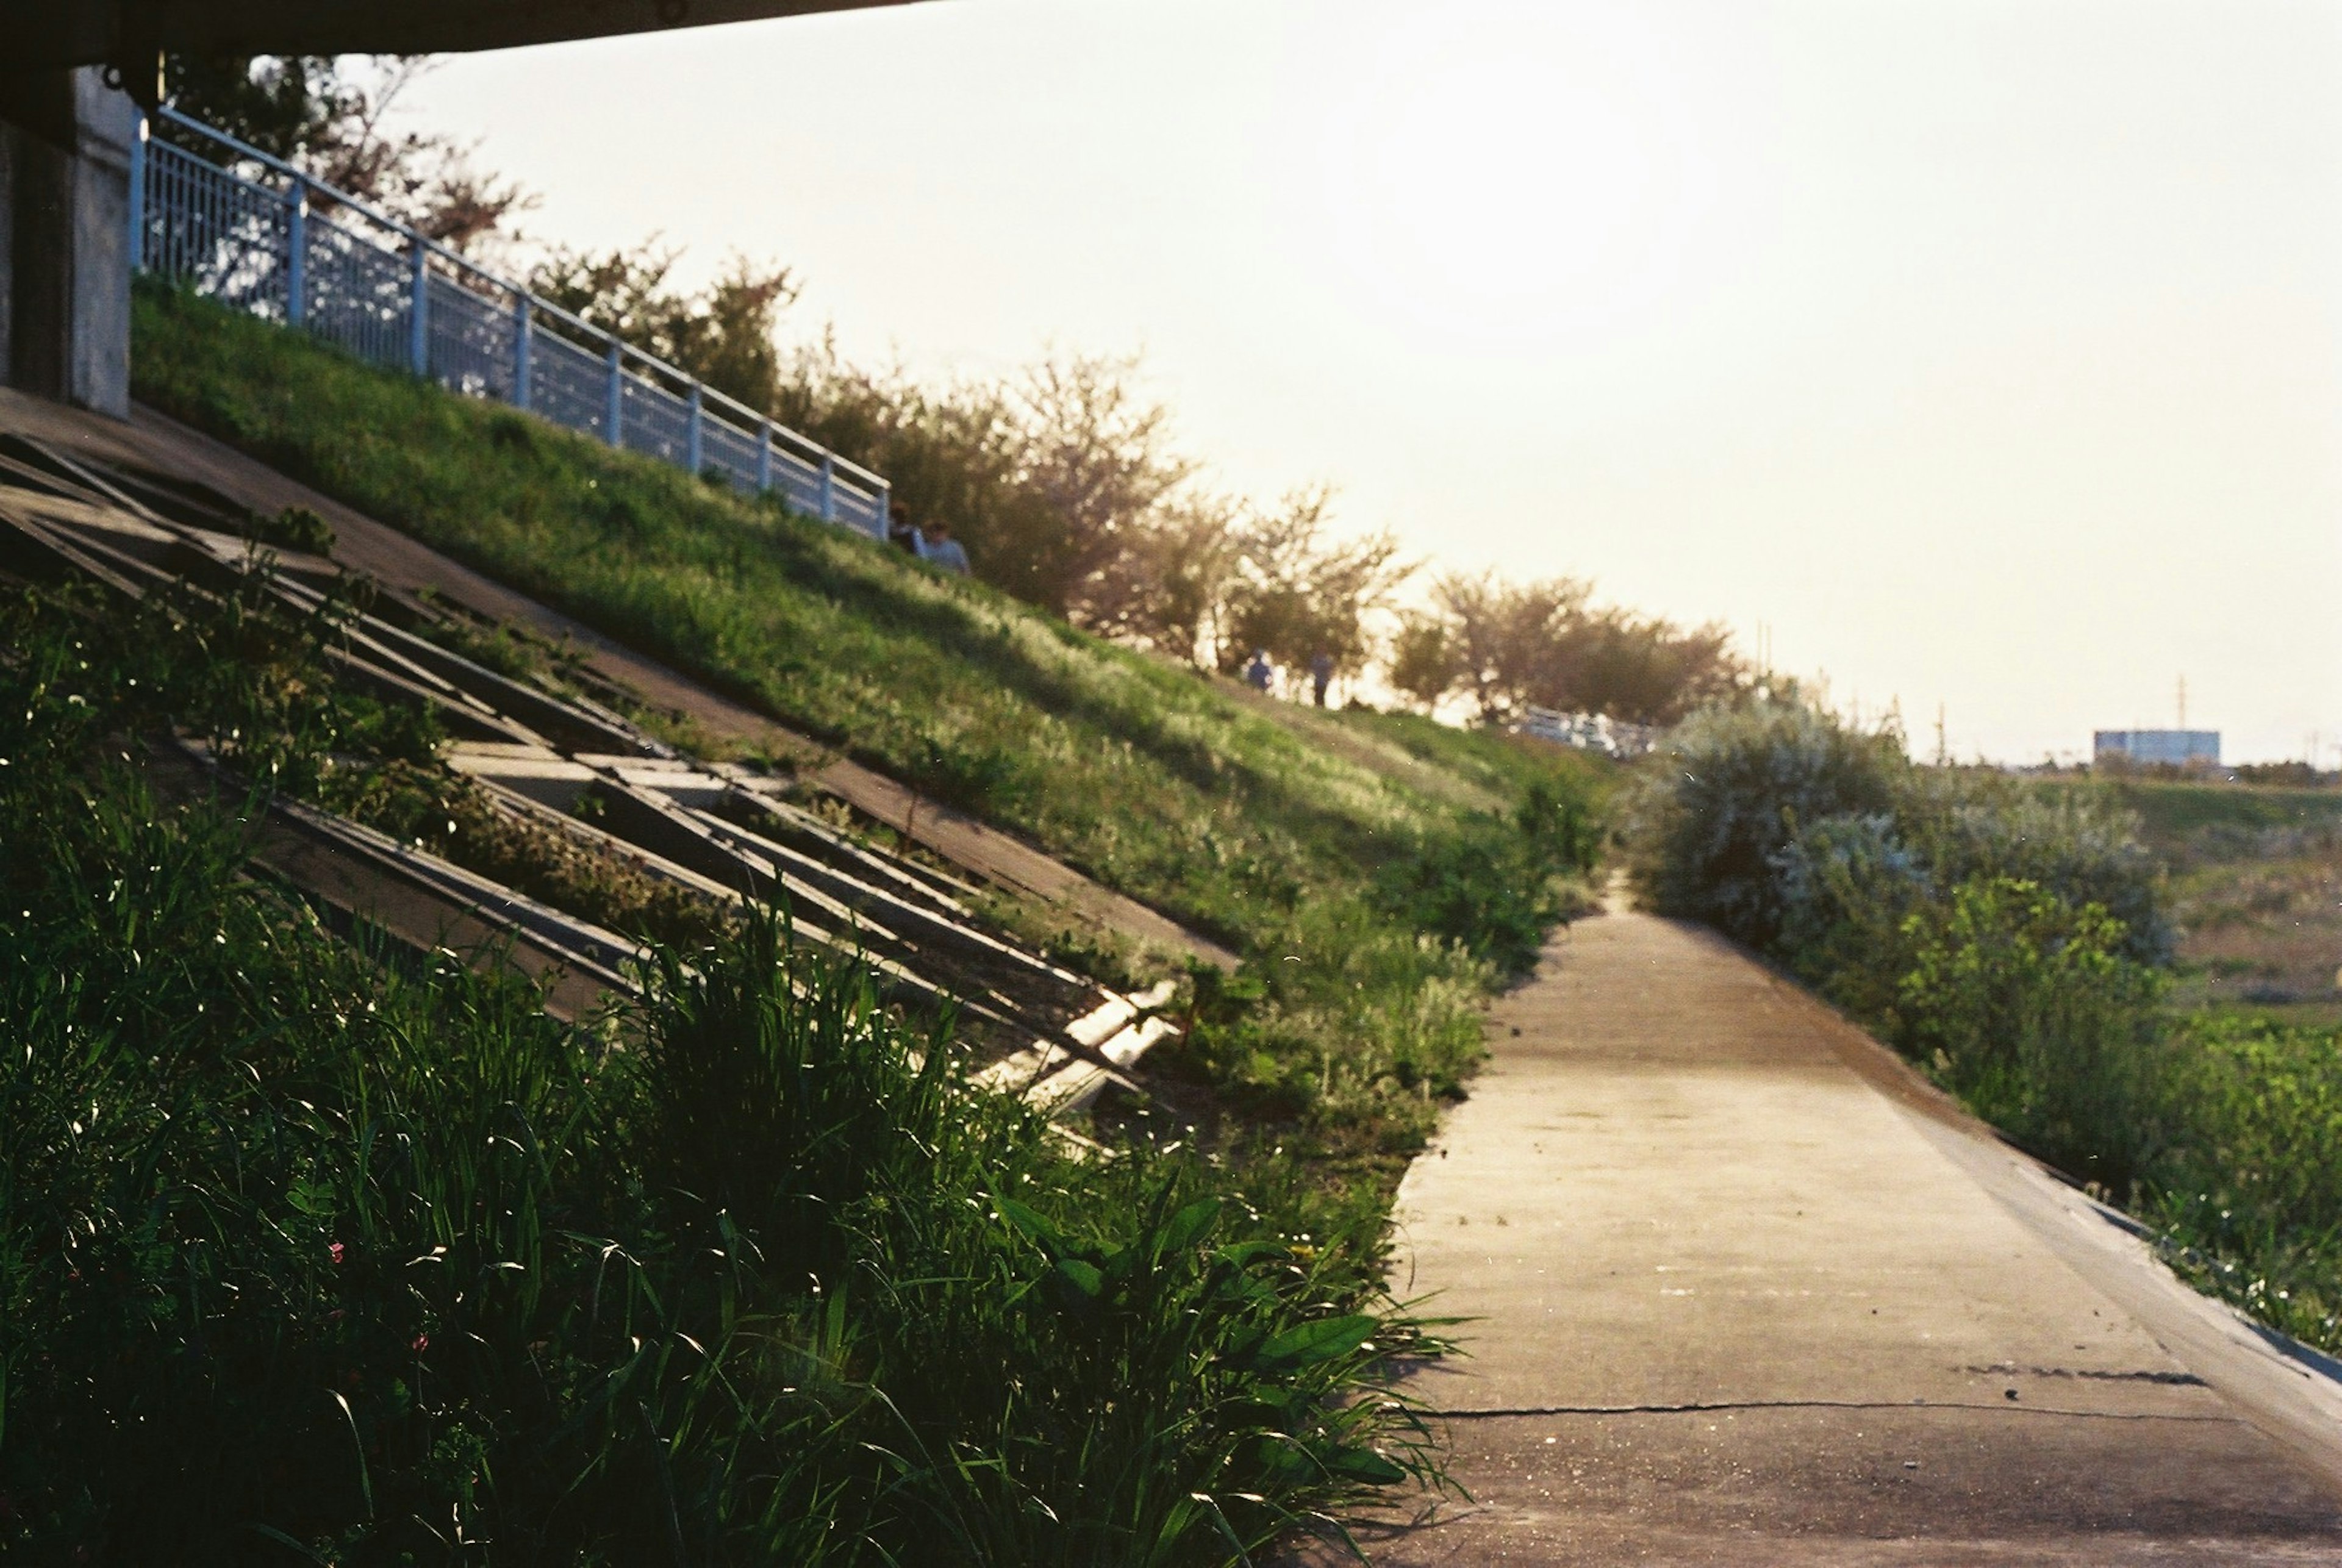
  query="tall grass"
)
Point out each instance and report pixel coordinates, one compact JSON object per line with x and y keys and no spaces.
{"x":309,"y":1252}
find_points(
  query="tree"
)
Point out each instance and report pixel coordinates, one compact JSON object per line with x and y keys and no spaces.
{"x":1097,"y":452}
{"x":1425,"y":662}
{"x":1516,"y":646}
{"x":1503,"y":635}
{"x":951,"y":450}
{"x":327,"y":118}
{"x":1167,"y":588}
{"x":1298,"y":594}
{"x":1641,"y":668}
{"x":727,"y":334}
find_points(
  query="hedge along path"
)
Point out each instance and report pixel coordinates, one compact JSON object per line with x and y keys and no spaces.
{"x":155,"y":443}
{"x":1743,"y":1288}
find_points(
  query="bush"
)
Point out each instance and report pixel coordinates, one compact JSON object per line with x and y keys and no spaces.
{"x":2025,"y":1005}
{"x":1974,"y":825}
{"x":1848,"y":887}
{"x":1496,"y":889}
{"x":2250,"y":1192}
{"x":1725,"y":794}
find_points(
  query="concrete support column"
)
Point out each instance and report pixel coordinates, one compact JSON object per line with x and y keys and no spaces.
{"x":65,"y":141}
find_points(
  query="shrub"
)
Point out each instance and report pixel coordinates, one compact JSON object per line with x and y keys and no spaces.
{"x":1496,"y":888}
{"x":1978,"y":823}
{"x":1725,"y":794}
{"x":2026,"y":1006}
{"x":1848,"y":884}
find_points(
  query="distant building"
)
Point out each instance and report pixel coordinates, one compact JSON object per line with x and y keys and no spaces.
{"x":2145,"y":748}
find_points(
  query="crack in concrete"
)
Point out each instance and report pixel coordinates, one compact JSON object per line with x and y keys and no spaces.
{"x":1695,"y":1407}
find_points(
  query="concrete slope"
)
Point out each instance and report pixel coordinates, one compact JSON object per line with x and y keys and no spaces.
{"x":156,"y":444}
{"x":1746,"y":1290}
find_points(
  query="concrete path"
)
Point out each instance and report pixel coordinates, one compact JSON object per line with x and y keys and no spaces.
{"x":1749,"y":1291}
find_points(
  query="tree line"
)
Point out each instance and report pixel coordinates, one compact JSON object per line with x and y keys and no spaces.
{"x":1064,"y":480}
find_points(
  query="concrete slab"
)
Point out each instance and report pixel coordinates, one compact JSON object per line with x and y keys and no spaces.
{"x":1747,"y":1291}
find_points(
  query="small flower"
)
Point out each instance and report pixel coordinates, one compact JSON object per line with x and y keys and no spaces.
{"x":333,"y":1249}
{"x":422,"y":1343}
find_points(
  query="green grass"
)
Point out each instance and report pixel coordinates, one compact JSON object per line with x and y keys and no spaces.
{"x":2178,"y":817}
{"x":1239,"y":818}
{"x":311,"y":1251}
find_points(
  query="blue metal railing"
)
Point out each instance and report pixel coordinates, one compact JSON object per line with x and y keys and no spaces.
{"x":258,"y":234}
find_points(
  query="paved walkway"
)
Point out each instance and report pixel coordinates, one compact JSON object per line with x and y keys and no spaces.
{"x":1748,"y":1292}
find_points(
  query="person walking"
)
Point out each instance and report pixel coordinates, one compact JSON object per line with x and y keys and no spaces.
{"x":1321,"y":675}
{"x":1259,"y":673}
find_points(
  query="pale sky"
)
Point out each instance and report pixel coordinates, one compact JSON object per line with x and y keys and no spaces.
{"x":1989,"y":354}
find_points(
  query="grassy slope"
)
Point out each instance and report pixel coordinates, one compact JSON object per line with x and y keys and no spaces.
{"x":2174,"y":813}
{"x":2256,"y":890}
{"x":305,"y":1256}
{"x":1164,"y":784}
{"x":1261,"y":823}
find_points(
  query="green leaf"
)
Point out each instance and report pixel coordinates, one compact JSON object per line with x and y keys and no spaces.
{"x":1083,"y":1277}
{"x":1244,"y":1253}
{"x":1189,"y":1224}
{"x":1320,"y":1340}
{"x":1365,"y":1464}
{"x":1029,"y":1223}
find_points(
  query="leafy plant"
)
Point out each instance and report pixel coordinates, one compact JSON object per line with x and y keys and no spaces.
{"x":2026,"y":1006}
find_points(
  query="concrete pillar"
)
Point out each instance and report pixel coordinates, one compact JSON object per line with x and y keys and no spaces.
{"x":64,"y":237}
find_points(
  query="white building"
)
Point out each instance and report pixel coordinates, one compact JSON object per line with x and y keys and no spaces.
{"x":2179,"y":748}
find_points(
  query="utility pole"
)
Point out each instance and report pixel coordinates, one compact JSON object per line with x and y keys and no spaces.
{"x":1943,"y":752}
{"x":2183,"y":702}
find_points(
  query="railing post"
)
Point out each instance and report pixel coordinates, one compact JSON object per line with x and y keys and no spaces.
{"x":418,"y":311}
{"x":296,"y":250}
{"x":138,"y":194}
{"x":764,"y":457}
{"x":613,"y":415}
{"x":829,"y":487}
{"x":881,"y":511}
{"x":690,"y":434}
{"x":520,"y":350}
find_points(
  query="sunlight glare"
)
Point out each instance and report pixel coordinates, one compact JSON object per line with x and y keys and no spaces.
{"x":1550,"y":197}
